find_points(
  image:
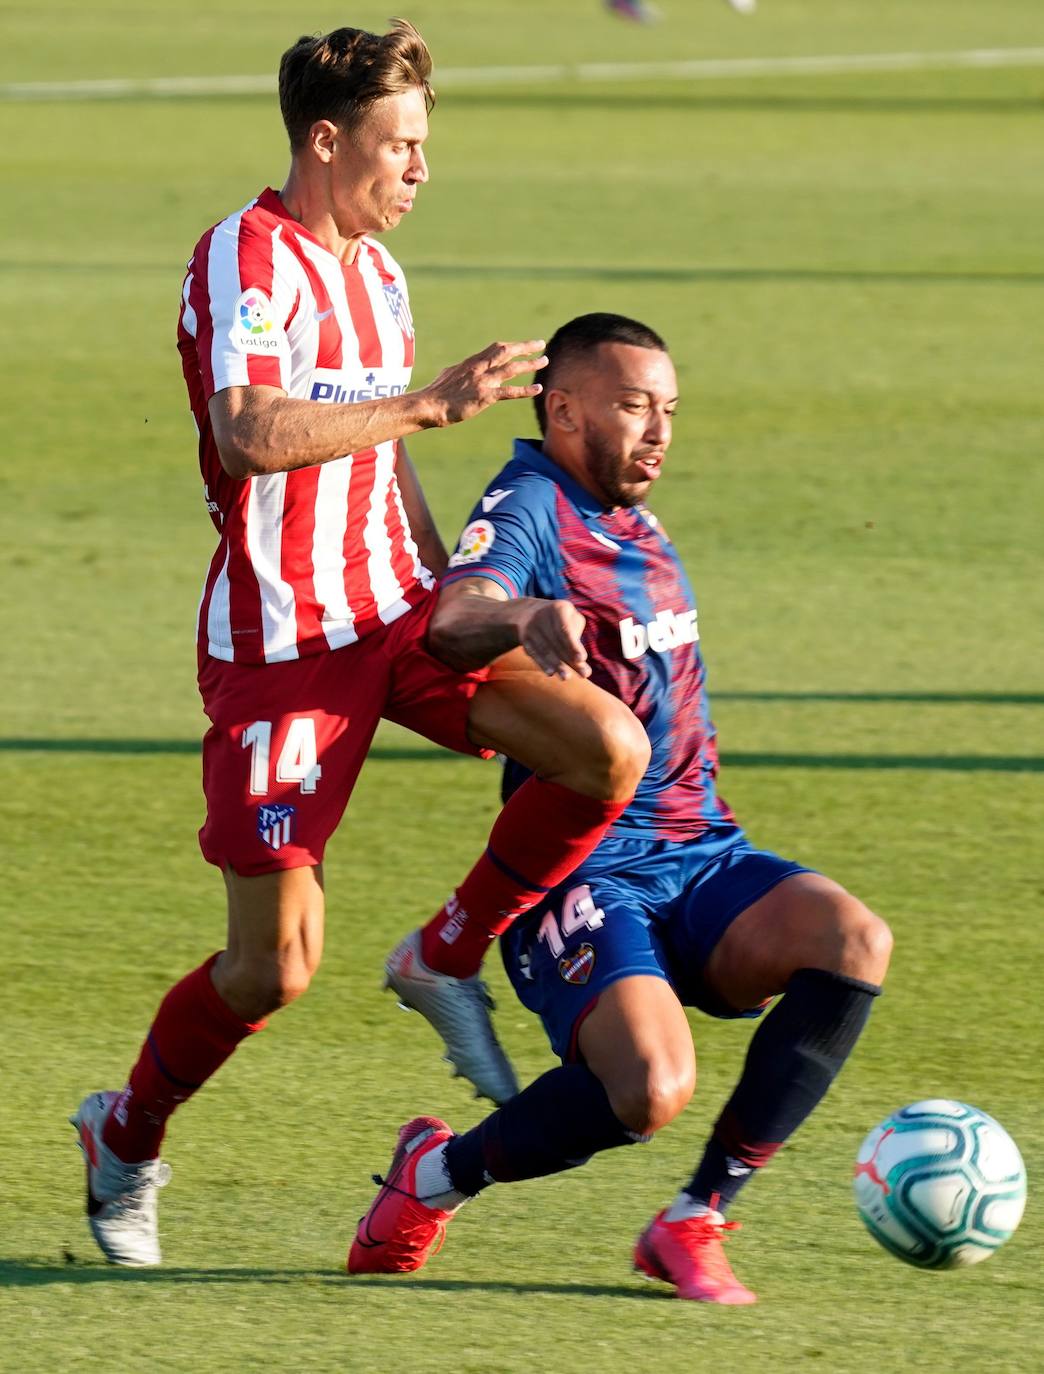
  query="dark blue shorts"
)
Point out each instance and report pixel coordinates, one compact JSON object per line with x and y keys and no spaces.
{"x":636,"y":907}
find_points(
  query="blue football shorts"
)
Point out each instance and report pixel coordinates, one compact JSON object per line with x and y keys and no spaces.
{"x":636,"y":907}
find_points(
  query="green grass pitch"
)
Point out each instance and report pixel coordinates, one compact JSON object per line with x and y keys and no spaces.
{"x":848,"y":269}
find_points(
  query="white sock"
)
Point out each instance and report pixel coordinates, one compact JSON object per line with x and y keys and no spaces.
{"x":432,"y":1180}
{"x":684,"y":1207}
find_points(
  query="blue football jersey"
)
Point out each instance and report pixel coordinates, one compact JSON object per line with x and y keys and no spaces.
{"x":537,"y":532}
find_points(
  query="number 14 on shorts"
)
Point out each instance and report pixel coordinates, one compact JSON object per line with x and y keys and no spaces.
{"x":579,"y":912}
{"x":298,"y":759}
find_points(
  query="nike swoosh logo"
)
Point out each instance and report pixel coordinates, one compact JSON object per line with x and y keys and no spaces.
{"x":324,"y":314}
{"x":495,"y":497}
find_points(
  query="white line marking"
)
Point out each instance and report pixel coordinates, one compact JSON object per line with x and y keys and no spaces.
{"x":448,"y":78}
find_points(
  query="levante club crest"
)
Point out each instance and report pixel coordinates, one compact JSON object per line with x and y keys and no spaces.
{"x":576,"y":968}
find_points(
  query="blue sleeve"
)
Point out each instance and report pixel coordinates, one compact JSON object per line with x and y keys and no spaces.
{"x":510,"y":538}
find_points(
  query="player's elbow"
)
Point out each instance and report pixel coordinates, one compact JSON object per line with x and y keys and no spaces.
{"x":238,"y":460}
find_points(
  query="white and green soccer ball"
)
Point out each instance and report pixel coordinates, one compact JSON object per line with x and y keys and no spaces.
{"x":940,"y":1184}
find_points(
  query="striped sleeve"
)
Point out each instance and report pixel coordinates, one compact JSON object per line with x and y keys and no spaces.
{"x":241,"y":302}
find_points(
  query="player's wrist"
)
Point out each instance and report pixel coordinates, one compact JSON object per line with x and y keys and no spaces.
{"x":429,"y":411}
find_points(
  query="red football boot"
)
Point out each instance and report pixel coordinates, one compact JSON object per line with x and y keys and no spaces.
{"x":400,"y":1231}
{"x":689,"y":1254}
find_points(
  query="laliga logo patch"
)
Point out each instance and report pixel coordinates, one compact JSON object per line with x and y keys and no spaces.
{"x":576,"y":968}
{"x":275,"y":824}
{"x":253,"y":323}
{"x":476,"y":540}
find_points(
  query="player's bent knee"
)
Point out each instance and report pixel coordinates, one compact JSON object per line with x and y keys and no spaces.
{"x":872,"y":940}
{"x":864,"y":940}
{"x":617,"y":752}
{"x":648,"y":1100}
{"x":255,"y":990}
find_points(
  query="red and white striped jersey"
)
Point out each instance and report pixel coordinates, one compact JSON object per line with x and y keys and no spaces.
{"x":313,"y":559}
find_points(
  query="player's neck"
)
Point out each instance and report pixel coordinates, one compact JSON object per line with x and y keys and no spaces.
{"x":575,"y":468}
{"x":309,"y":206}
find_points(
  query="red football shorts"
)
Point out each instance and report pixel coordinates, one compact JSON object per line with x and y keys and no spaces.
{"x":287,"y":740}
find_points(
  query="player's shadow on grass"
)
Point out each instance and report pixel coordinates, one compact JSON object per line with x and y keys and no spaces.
{"x":31,"y":1273}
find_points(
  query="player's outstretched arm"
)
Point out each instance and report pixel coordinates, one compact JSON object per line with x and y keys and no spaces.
{"x":259,"y":429}
{"x":475,"y":622}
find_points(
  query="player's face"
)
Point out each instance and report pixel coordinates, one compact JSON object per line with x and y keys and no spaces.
{"x":625,"y":404}
{"x":377,"y":167}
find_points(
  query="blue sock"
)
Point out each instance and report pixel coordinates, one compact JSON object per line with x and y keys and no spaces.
{"x":795,"y":1055}
{"x":556,"y":1123}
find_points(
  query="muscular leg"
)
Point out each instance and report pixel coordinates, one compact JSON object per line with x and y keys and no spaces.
{"x":637,"y":1043}
{"x":828,"y":954}
{"x":275,"y":940}
{"x":587,"y":753}
{"x":640,"y":1072}
{"x":275,"y":927}
{"x":568,"y":732}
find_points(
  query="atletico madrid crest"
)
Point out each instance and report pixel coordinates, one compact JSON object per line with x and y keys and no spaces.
{"x":275,"y":824}
{"x":399,"y":307}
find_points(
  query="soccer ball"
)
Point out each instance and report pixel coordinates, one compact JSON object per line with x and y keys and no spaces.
{"x":940,"y":1184}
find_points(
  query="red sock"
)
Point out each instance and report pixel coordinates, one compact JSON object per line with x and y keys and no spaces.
{"x":193,"y":1034}
{"x":543,"y":833}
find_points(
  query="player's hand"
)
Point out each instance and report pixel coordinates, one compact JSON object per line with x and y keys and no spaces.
{"x":551,"y":636}
{"x":461,"y":391}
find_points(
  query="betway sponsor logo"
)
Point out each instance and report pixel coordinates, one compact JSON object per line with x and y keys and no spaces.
{"x":344,"y":388}
{"x":670,"y":630}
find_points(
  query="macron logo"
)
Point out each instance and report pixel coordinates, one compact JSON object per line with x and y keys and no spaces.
{"x":670,"y":630}
{"x":495,"y":497}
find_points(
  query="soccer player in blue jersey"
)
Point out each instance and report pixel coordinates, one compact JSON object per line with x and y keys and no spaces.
{"x":676,"y":907}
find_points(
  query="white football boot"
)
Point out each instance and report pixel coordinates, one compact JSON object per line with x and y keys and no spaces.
{"x":121,"y":1198}
{"x":459,"y":1010}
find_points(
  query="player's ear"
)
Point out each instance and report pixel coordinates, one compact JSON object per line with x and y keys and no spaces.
{"x":322,"y":137}
{"x":558,"y":406}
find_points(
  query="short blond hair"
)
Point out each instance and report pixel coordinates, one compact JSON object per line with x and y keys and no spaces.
{"x":339,"y":75}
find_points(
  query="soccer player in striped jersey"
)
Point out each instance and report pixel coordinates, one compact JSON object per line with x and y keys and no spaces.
{"x":297,"y":344}
{"x":676,"y":907}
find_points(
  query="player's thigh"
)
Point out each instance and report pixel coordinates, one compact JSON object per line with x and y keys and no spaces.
{"x":584,"y":938}
{"x":562,"y":729}
{"x":725,"y":878}
{"x":805,"y":921}
{"x":424,"y":695}
{"x":284,"y":749}
{"x":636,"y":1039}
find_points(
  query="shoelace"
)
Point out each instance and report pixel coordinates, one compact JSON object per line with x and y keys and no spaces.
{"x":422,"y":1224}
{"x":703,"y":1240}
{"x":141,"y":1188}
